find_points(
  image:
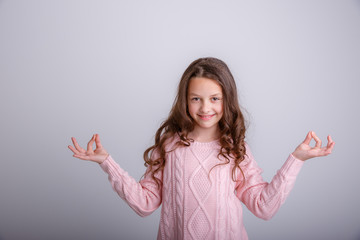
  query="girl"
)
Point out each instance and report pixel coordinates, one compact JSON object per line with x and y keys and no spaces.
{"x":200,"y":166}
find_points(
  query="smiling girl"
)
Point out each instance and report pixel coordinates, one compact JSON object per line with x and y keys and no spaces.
{"x":200,"y":168}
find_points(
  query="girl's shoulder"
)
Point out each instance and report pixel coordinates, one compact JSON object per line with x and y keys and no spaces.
{"x":172,"y":143}
{"x":248,"y":155}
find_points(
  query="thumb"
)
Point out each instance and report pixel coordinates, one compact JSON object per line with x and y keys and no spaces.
{"x":97,"y":141}
{"x":89,"y":145}
{"x":308,"y":138}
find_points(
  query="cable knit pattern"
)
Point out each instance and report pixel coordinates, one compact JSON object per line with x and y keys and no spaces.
{"x":199,"y":224}
{"x":221,"y":211}
{"x":179,"y":195}
{"x":167,"y":215}
{"x":199,"y":205}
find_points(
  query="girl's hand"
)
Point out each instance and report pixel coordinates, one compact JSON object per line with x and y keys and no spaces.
{"x":98,"y":155}
{"x":304,"y":151}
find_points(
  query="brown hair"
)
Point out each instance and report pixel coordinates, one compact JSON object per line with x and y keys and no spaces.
{"x":231,"y":125}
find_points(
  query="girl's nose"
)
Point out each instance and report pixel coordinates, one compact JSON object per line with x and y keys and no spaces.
{"x":205,"y":107}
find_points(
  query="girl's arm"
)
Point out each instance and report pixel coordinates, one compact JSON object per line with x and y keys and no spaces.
{"x":143,"y":197}
{"x":264,"y":199}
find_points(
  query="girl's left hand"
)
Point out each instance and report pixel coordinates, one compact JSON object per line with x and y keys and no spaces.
{"x":304,"y":151}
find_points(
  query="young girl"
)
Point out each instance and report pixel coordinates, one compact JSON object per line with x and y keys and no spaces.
{"x":200,"y":166}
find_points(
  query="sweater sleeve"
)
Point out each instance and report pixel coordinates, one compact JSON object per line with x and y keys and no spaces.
{"x":261,"y":198}
{"x":143,"y":197}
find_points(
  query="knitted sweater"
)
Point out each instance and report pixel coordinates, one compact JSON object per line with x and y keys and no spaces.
{"x":197,"y":204}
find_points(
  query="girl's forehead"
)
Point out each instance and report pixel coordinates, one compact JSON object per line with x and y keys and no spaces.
{"x":200,"y":85}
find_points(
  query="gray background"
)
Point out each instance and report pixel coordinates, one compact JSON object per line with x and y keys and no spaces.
{"x":74,"y":68}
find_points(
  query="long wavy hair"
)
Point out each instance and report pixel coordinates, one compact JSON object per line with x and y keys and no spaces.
{"x":179,"y":121}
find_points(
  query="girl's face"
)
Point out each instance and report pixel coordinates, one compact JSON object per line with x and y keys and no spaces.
{"x":205,"y":103}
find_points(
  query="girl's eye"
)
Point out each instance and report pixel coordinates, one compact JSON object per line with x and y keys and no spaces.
{"x":195,"y":99}
{"x":215,"y":99}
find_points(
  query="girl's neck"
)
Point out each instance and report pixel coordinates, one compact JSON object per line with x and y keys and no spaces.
{"x":205,"y":135}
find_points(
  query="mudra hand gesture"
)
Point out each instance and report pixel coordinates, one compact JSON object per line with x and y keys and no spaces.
{"x":304,"y":151}
{"x":98,"y":155}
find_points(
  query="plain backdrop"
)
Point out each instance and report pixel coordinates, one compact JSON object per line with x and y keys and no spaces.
{"x":75,"y":68}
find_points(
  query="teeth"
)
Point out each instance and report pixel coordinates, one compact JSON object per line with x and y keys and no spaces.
{"x":206,"y":116}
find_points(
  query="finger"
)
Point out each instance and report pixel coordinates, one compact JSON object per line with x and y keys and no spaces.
{"x":307,"y":138}
{"x":80,"y":149}
{"x":330,"y":143}
{"x":326,"y":152}
{"x":330,"y":147}
{"x":73,"y":149}
{"x":329,"y":140}
{"x":97,"y":141}
{"x":317,"y":140}
{"x":89,"y":146}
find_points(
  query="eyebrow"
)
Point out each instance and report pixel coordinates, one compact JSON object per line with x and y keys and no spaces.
{"x":212,"y":95}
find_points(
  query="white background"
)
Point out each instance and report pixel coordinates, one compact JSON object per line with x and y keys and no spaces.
{"x":74,"y":68}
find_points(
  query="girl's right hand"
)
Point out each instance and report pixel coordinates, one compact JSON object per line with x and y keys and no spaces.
{"x":98,"y":155}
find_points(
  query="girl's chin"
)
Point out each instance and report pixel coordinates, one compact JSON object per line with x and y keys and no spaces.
{"x":207,"y":126}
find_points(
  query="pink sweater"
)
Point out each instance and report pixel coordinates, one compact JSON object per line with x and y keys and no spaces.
{"x":196,"y":205}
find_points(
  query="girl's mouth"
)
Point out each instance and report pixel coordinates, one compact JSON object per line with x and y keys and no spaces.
{"x":206,"y":117}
